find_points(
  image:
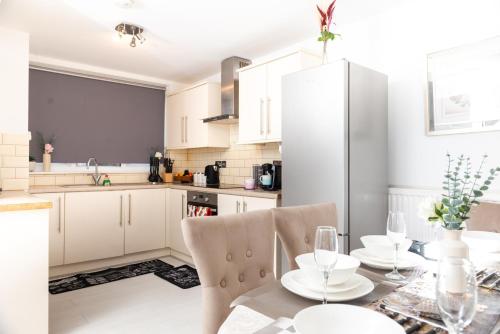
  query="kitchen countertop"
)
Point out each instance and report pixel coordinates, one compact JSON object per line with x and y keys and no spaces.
{"x":21,"y":201}
{"x":130,"y":186}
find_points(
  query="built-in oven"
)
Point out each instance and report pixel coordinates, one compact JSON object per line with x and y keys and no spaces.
{"x":201,"y":204}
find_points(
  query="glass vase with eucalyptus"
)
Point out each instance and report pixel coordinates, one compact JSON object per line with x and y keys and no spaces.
{"x":456,"y":293}
{"x":326,"y":248}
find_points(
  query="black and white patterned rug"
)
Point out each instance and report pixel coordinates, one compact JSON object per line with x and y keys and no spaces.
{"x":183,"y":276}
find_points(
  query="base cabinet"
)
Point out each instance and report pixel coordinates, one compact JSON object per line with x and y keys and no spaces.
{"x":94,"y":225}
{"x":146,"y":217}
{"x":56,"y":228}
{"x":230,"y":204}
{"x":177,"y":209}
{"x":105,"y":224}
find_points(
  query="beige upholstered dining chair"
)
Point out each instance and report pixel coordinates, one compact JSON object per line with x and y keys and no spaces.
{"x":233,"y":254}
{"x":296,"y":227}
{"x":485,"y":217}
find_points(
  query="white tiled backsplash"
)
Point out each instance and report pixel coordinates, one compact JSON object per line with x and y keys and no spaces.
{"x":14,"y":162}
{"x":239,"y":158}
{"x":83,"y":178}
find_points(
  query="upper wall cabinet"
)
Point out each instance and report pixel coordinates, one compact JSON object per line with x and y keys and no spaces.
{"x":260,"y":96}
{"x":185,"y":113}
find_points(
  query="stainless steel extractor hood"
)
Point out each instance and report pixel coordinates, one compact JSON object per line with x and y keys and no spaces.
{"x":229,"y":91}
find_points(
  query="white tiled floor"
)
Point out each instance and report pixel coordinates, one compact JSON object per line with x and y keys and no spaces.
{"x":144,"y":304}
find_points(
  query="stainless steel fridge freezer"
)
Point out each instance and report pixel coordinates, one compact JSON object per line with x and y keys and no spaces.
{"x":334,"y":145}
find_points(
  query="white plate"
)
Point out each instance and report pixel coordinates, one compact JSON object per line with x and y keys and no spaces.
{"x":303,"y":278}
{"x":293,"y":286}
{"x":410,"y":260}
{"x":344,"y":319}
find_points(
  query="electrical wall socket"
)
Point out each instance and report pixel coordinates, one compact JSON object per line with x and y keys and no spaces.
{"x":221,"y":164}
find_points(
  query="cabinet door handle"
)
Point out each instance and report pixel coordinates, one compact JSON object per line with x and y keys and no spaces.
{"x":268,"y":115}
{"x":186,"y":130}
{"x":182,"y":129}
{"x":260,"y":116}
{"x":238,"y":206}
{"x":183,"y":214}
{"x":121,"y":210}
{"x":244,"y":206}
{"x":130,"y":209}
{"x":60,"y":214}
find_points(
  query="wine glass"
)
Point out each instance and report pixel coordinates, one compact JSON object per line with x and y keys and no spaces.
{"x":396,"y":231}
{"x":456,"y":293}
{"x":326,"y":247}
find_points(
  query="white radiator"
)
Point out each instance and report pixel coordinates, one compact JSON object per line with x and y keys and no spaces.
{"x":407,"y":200}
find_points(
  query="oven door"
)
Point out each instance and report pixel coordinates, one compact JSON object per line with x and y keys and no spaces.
{"x":195,"y":209}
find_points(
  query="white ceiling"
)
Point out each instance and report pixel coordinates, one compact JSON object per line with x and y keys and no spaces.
{"x":186,"y":40}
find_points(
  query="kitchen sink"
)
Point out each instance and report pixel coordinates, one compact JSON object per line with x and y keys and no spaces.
{"x":80,"y":185}
{"x":101,"y":186}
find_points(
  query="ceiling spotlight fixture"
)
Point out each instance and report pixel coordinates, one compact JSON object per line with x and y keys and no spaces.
{"x":125,"y":4}
{"x":132,"y":30}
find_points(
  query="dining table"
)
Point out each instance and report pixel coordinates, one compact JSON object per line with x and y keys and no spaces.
{"x":270,"y":309}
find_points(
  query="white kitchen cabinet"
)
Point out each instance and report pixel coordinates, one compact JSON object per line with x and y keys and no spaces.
{"x":175,"y":121}
{"x":229,"y":204}
{"x":178,"y":209}
{"x":56,"y":228}
{"x":94,"y":225}
{"x":167,"y":217}
{"x":145,"y":220}
{"x":186,"y":110}
{"x":257,"y":203}
{"x":260,"y":96}
{"x":252,"y":100}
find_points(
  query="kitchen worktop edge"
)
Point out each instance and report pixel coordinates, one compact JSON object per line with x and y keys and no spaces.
{"x":132,"y":186}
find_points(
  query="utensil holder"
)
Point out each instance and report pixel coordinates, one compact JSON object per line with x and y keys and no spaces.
{"x":168,"y":177}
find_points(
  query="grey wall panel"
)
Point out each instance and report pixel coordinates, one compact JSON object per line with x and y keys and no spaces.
{"x":116,"y":123}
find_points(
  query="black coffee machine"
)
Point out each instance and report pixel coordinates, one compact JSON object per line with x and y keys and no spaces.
{"x":212,"y":174}
{"x":274,"y":170}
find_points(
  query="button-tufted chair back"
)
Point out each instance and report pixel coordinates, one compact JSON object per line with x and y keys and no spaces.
{"x":233,"y":254}
{"x":296,"y":227}
{"x":485,"y":217}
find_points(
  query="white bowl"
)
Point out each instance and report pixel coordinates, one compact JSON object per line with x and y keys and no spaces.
{"x":344,"y":319}
{"x":481,"y":241}
{"x":345,"y":267}
{"x":381,"y":246}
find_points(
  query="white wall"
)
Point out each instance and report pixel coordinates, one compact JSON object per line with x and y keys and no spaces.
{"x":14,"y":64}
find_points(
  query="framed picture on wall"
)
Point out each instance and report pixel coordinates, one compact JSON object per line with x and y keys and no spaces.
{"x":463,"y":89}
